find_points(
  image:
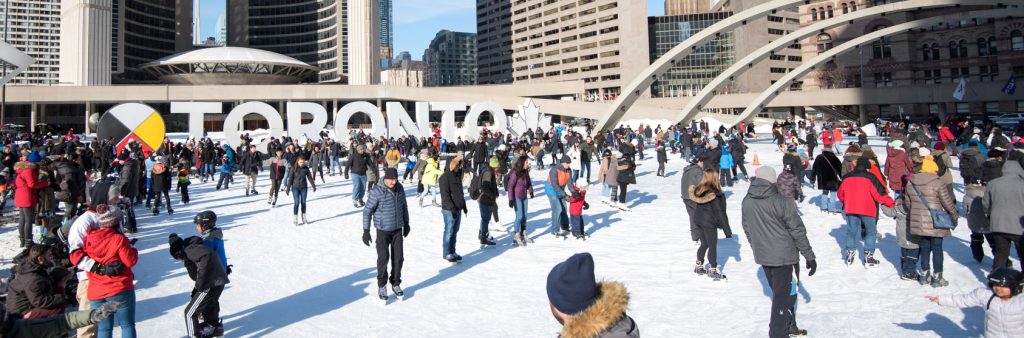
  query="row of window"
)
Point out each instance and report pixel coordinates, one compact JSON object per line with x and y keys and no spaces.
{"x":822,"y":13}
{"x":985,"y":47}
{"x":986,"y":73}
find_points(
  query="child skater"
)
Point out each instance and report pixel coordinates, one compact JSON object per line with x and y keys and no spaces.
{"x":205,"y":268}
{"x":183,"y":181}
{"x":578,"y":203}
{"x":1004,"y":310}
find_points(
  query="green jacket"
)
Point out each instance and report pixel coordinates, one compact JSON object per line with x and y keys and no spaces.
{"x":57,"y":326}
{"x":588,"y":152}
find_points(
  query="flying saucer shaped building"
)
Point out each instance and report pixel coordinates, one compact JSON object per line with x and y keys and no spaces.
{"x":230,"y":66}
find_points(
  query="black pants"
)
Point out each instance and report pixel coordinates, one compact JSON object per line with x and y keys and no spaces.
{"x":183,"y":190}
{"x":225,"y":180}
{"x":204,"y":303}
{"x":389,"y":245}
{"x":690,"y":206}
{"x":28,"y":219}
{"x":743,"y":168}
{"x":780,"y":279}
{"x":977,"y":240}
{"x":622,"y":192}
{"x":167,"y":198}
{"x":275,"y":188}
{"x":1002,"y":242}
{"x":661,"y":168}
{"x":708,"y":244}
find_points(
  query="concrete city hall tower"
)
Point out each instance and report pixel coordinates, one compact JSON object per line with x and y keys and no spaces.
{"x":364,"y":42}
{"x":85,"y":42}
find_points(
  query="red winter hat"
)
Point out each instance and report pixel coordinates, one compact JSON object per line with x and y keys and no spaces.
{"x":940,"y":146}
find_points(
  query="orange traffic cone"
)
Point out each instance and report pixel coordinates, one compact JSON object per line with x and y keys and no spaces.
{"x":757,"y":161}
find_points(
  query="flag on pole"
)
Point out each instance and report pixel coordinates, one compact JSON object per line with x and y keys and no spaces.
{"x":1011,"y":86}
{"x":961,"y":90}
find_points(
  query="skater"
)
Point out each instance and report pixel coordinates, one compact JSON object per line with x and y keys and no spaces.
{"x":588,"y":152}
{"x":107,"y":245}
{"x":1004,"y":204}
{"x":626,"y":176}
{"x":183,"y":180}
{"x":827,"y":174}
{"x":1004,"y":308}
{"x":161,"y":185}
{"x":213,"y":236}
{"x":452,"y":203}
{"x":739,"y":153}
{"x":105,"y":193}
{"x":555,"y":187}
{"x":487,"y":201}
{"x":386,"y":206}
{"x":296,"y":183}
{"x":586,"y":307}
{"x":358,"y":164}
{"x":250,"y":165}
{"x":431,"y":172}
{"x":662,"y":159}
{"x":578,"y":203}
{"x":277,"y":175}
{"x":927,"y":195}
{"x":709,"y":216}
{"x":692,"y":176}
{"x":860,"y":193}
{"x":725,"y":165}
{"x":778,"y":238}
{"x":27,"y":183}
{"x":897,"y":167}
{"x":519,"y":189}
{"x":204,"y":267}
{"x":608,"y":175}
{"x":909,"y":248}
{"x":226,"y":170}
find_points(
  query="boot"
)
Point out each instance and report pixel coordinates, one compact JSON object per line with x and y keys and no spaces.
{"x":851,"y":256}
{"x":700,"y":270}
{"x":976,"y":247}
{"x":925,"y":277}
{"x":296,"y":220}
{"x":938,"y":281}
{"x":869,"y":259}
{"x":485,"y":240}
{"x":304,"y":221}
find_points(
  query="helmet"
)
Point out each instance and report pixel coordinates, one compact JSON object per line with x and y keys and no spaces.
{"x":206,"y":219}
{"x":1006,"y":277}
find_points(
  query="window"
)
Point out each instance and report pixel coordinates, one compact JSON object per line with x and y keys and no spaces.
{"x":1017,"y":41}
{"x":824,"y":42}
{"x":935,"y":52}
{"x":933,"y":76}
{"x":992,"y":107}
{"x":963,"y":108}
{"x":883,"y":80}
{"x":830,"y":12}
{"x":926,"y":52}
{"x":982,"y":47}
{"x":1020,"y":106}
{"x":956,"y":73}
{"x":957,"y":49}
{"x":814,"y":14}
{"x":853,"y":6}
{"x":881,"y":48}
{"x":846,"y":8}
{"x":993,"y":46}
{"x":933,"y":108}
{"x":778,"y":70}
{"x":989,"y":73}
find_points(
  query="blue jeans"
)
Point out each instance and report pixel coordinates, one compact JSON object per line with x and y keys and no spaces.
{"x":605,"y":190}
{"x":208,"y":171}
{"x":577,"y":224}
{"x":830,"y":201}
{"x":931,"y":246}
{"x":521,"y":209}
{"x":908,"y":260}
{"x":452,"y":221}
{"x":485,"y":217}
{"x":559,"y":214}
{"x":125,"y":315}
{"x":149,"y":190}
{"x":585,"y":166}
{"x":336,"y":165}
{"x":299,"y":197}
{"x":358,"y":187}
{"x":853,"y":223}
{"x":575,"y":175}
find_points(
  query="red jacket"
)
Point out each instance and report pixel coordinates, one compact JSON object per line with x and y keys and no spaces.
{"x":576,"y":203}
{"x":860,"y":197}
{"x":837,"y":135}
{"x":827,"y":139}
{"x":945,"y":135}
{"x":897,"y":166}
{"x":106,"y":245}
{"x":26,"y":183}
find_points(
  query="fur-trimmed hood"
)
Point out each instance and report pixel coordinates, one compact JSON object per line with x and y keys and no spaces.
{"x":708,"y":196}
{"x":25,"y":165}
{"x":606,"y":317}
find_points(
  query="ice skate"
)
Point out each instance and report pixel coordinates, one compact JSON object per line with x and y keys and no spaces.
{"x":938,"y":281}
{"x":382,"y":293}
{"x":485,"y":241}
{"x":869,"y":260}
{"x":851,"y":256}
{"x":399,"y":294}
{"x":700,"y":270}
{"x":910,"y":276}
{"x":715,"y":275}
{"x":304,"y":221}
{"x":925,"y":278}
{"x":296,"y":220}
{"x":797,"y":332}
{"x":517,"y":240}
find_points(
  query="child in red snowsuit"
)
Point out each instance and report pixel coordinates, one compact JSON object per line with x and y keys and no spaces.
{"x":578,"y":203}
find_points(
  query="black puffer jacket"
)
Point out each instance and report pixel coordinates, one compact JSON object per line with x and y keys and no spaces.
{"x":250,"y":163}
{"x":357,"y":164}
{"x":452,"y":198}
{"x":627,"y":171}
{"x":710,"y":210}
{"x":298,"y":177}
{"x":772,"y":226}
{"x":33,"y":288}
{"x":488,"y":188}
{"x":71,"y":180}
{"x":827,"y":168}
{"x":130,"y":175}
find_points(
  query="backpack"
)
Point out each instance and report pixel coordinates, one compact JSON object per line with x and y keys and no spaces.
{"x":969,"y":167}
{"x":159,"y":168}
{"x":474,"y":187}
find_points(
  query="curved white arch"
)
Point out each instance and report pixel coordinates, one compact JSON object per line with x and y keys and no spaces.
{"x":697,"y":102}
{"x":632,"y":92}
{"x":808,"y":66}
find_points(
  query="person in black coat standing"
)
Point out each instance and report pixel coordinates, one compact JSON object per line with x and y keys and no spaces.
{"x":828,"y":174}
{"x":296,"y":182}
{"x":452,"y":202}
{"x":161,"y":185}
{"x":250,"y":164}
{"x":204,"y":267}
{"x":277,"y":174}
{"x":488,"y":201}
{"x":709,"y":216}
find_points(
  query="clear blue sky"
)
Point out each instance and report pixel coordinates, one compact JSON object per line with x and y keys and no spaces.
{"x":416,"y":21}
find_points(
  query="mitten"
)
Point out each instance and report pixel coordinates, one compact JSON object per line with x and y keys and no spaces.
{"x":104,"y":311}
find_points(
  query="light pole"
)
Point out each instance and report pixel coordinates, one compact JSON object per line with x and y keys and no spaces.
{"x":3,"y":104}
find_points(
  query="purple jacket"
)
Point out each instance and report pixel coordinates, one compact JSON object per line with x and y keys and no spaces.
{"x":518,"y":188}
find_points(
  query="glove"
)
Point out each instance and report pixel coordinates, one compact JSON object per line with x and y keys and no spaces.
{"x":110,"y":269}
{"x":586,"y":205}
{"x":314,"y":189}
{"x":229,"y":270}
{"x":287,"y":191}
{"x":346,"y":176}
{"x":366,"y":237}
{"x":405,"y":231}
{"x":511,"y":204}
{"x":812,"y":266}
{"x":728,"y":235}
{"x":108,"y":308}
{"x":565,"y":198}
{"x":465,"y":211}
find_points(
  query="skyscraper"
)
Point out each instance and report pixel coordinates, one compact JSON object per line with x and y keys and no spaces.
{"x":222,"y":29}
{"x":197,"y":35}
{"x":386,"y":32}
{"x":450,"y":60}
{"x":364,"y":42}
{"x":85,"y":57}
{"x":147,"y":30}
{"x":33,"y":26}
{"x":494,"y":41}
{"x":686,"y":7}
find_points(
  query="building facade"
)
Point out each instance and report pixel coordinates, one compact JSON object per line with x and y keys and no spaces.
{"x":403,"y":74}
{"x":364,"y":42}
{"x":147,"y":30}
{"x":313,"y":31}
{"x":451,"y":60}
{"x":494,"y":41}
{"x":590,"y":40}
{"x":755,"y":35}
{"x":981,"y":52}
{"x":85,"y":55}
{"x":690,"y":75}
{"x":34,"y":28}
{"x":686,"y":7}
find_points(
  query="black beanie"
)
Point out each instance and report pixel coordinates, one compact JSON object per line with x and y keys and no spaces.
{"x":565,"y":159}
{"x":572,"y":287}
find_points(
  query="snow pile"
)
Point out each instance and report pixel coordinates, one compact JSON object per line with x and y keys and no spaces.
{"x":870,"y":129}
{"x":319,"y":280}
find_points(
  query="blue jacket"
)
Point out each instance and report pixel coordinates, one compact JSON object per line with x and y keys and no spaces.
{"x":552,"y":186}
{"x":214,"y":239}
{"x":387,"y":208}
{"x":726,"y":161}
{"x":226,"y":168}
